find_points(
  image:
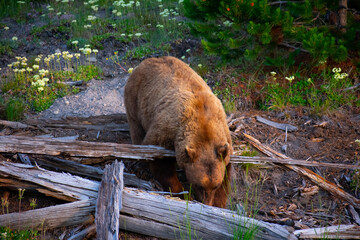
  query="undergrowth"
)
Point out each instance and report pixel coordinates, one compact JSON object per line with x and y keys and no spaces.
{"x":35,"y":83}
{"x":148,"y":28}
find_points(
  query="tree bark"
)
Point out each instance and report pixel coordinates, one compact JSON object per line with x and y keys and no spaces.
{"x":343,"y":15}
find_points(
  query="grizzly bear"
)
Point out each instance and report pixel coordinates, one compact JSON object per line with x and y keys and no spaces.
{"x":169,"y":105}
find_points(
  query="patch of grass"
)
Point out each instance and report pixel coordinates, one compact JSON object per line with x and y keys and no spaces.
{"x":9,"y":234}
{"x":249,"y":206}
{"x":14,"y":109}
{"x":228,"y":99}
{"x":5,"y":49}
{"x":246,"y":234}
{"x":249,"y":153}
{"x":296,"y":90}
{"x":7,"y":46}
{"x":10,"y":8}
{"x":140,"y":52}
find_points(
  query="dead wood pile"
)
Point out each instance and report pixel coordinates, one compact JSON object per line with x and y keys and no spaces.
{"x":140,"y":211}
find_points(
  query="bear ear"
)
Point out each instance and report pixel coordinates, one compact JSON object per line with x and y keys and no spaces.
{"x":222,"y":151}
{"x":191,"y":152}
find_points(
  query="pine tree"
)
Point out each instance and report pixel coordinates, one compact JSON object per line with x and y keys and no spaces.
{"x":234,"y":28}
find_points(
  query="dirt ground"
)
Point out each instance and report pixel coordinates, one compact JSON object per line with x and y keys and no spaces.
{"x":265,"y":192}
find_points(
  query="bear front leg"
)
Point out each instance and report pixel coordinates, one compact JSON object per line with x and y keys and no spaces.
{"x":221,"y":195}
{"x":164,"y":171}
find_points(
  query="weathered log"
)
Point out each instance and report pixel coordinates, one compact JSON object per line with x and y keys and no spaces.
{"x":185,"y":220}
{"x":354,"y":214}
{"x":109,"y":202}
{"x":171,"y":217}
{"x":62,"y":215}
{"x":114,"y":122}
{"x":36,"y":145}
{"x":331,"y":232}
{"x":76,"y":168}
{"x":59,"y":185}
{"x":275,"y":159}
{"x":15,"y":125}
{"x":55,"y":147}
{"x":84,"y":233}
{"x":313,"y":177}
{"x":282,"y":126}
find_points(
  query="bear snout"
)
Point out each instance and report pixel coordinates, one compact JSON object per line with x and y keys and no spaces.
{"x":205,"y":196}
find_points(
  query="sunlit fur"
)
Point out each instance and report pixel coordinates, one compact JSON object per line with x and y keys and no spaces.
{"x":168,"y":104}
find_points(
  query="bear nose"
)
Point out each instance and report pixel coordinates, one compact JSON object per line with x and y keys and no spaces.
{"x":209,"y":197}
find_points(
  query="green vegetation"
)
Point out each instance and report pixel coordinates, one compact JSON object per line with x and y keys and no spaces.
{"x":35,"y":84}
{"x":299,"y":91}
{"x":140,"y":52}
{"x":249,"y":206}
{"x":246,"y":34}
{"x":253,"y":28}
{"x":249,"y":34}
{"x":9,"y":234}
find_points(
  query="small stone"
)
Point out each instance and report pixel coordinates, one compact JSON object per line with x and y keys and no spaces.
{"x":92,"y":59}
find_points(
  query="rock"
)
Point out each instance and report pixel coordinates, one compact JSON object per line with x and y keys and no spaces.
{"x":91,"y":59}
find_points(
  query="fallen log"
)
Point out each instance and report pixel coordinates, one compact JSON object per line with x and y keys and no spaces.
{"x":55,"y":147}
{"x":58,"y":185}
{"x":114,"y":122}
{"x":79,"y":169}
{"x":331,"y":232}
{"x":15,"y":125}
{"x":61,"y":215}
{"x":275,"y":159}
{"x":109,"y":202}
{"x":313,"y":177}
{"x":164,"y":216}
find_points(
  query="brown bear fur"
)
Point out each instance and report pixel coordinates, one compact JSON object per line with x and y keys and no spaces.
{"x":170,"y":105}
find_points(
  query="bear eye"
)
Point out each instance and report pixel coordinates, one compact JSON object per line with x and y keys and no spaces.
{"x":222,"y":151}
{"x":190,"y":152}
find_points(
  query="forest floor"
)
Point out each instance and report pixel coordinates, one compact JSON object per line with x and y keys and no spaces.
{"x":275,"y":194}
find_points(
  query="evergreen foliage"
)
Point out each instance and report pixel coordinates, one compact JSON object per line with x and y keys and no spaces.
{"x":234,"y":28}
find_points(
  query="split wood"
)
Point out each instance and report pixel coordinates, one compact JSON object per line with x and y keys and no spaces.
{"x":109,"y":202}
{"x":141,"y":212}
